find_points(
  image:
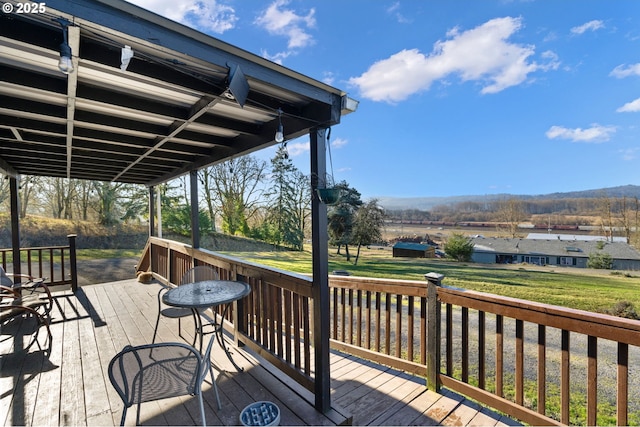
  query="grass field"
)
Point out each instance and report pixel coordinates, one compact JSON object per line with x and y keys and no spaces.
{"x":592,"y":290}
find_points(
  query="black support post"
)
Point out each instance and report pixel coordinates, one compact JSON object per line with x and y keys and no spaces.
{"x":152,"y":211}
{"x":15,"y":226}
{"x":320,"y":248}
{"x":195,"y":211}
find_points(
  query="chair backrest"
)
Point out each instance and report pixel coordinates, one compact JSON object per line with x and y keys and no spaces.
{"x":156,"y":371}
{"x":4,"y":279}
{"x":199,"y":273}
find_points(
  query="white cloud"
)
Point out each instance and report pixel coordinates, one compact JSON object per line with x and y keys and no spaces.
{"x":622,"y":71}
{"x":394,"y":10}
{"x":277,"y":58}
{"x":298,"y":148}
{"x":629,"y":154}
{"x":328,"y":77}
{"x":339,"y":143}
{"x":589,"y":26}
{"x":630,"y":107}
{"x":207,"y":15}
{"x":481,"y":54}
{"x":278,"y":20}
{"x":595,"y":134}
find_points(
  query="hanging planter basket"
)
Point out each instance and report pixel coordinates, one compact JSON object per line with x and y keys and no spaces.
{"x":329,"y":196}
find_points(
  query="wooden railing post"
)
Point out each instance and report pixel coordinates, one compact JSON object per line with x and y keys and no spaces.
{"x":433,"y":331}
{"x":72,"y":262}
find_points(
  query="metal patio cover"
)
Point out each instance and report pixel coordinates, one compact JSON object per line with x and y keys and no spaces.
{"x":165,"y":115}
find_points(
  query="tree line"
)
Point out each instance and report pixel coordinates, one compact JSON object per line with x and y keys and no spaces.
{"x":614,"y":216}
{"x":243,"y":196}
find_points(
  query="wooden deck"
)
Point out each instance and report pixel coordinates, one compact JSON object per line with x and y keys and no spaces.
{"x":67,"y":384}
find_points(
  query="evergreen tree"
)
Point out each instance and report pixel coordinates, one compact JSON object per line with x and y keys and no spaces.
{"x":368,"y":225}
{"x":459,"y":247}
{"x":341,"y":217}
{"x":285,"y":226}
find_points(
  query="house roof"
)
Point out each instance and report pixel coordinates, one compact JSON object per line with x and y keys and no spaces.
{"x":547,"y":236}
{"x":554,"y":247}
{"x":185,"y":101}
{"x":411,"y":246}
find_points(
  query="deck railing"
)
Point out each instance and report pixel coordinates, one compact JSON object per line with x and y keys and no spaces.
{"x":57,"y":264}
{"x":563,"y":355}
{"x":275,"y":319}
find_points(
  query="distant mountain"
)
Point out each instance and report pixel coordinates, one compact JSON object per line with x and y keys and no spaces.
{"x":427,"y":203}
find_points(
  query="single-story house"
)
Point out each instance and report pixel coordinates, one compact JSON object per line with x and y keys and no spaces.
{"x":552,"y":252}
{"x":413,"y":250}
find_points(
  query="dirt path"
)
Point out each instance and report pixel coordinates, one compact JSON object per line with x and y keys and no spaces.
{"x":105,"y":270}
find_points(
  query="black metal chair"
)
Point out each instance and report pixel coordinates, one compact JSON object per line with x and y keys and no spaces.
{"x":14,"y":307}
{"x":195,"y":274}
{"x":32,"y":287}
{"x":158,"y":371}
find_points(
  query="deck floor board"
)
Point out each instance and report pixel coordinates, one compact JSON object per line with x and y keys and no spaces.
{"x":67,"y":383}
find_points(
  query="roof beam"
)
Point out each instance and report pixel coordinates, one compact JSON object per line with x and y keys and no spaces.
{"x":72,"y":85}
{"x":198,"y":109}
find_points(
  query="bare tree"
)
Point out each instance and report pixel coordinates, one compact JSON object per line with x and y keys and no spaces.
{"x":605,"y":213}
{"x":204,"y":175}
{"x":29,"y":188}
{"x":235,"y":186}
{"x":510,"y":214}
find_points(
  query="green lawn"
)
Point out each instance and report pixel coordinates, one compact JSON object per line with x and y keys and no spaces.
{"x":575,"y":288}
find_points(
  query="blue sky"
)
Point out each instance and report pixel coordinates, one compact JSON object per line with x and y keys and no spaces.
{"x":456,"y":97}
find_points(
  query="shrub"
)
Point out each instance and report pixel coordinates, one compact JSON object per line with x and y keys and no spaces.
{"x":600,"y":260}
{"x":624,"y":309}
{"x":459,"y":247}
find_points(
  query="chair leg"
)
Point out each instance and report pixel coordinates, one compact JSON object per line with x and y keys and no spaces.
{"x":215,"y":385}
{"x":155,"y":330}
{"x":124,"y":416}
{"x":202,"y":417}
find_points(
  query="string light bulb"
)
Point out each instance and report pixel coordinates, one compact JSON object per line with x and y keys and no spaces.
{"x":65,"y":64}
{"x":280,"y":131}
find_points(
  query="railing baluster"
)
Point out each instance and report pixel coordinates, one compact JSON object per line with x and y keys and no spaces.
{"x":378,"y":321}
{"x":307,"y":335}
{"x":465,"y":344}
{"x":622,"y":404}
{"x":387,"y":329}
{"x":367,"y":330}
{"x":449,"y":340}
{"x":410,"y":321}
{"x":398,"y":341}
{"x":499,"y":355}
{"x":343,"y":315}
{"x":359,"y":318}
{"x":542,"y":369}
{"x":351,"y":319}
{"x":423,"y":331}
{"x":565,"y":396}
{"x":335,"y":319}
{"x":519,"y":361}
{"x":296,"y":330}
{"x":51,"y":264}
{"x":481,"y":350}
{"x":592,"y":380}
{"x":29,"y":269}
